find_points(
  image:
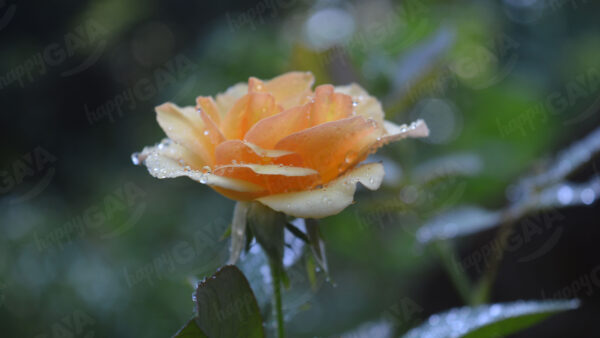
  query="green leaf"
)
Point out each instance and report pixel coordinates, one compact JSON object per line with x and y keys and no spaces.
{"x":495,"y":320}
{"x":316,"y":243}
{"x":190,"y":330}
{"x":267,"y":226}
{"x":462,"y":221}
{"x":227,"y":307}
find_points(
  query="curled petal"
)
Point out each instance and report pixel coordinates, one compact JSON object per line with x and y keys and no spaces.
{"x":186,"y":127}
{"x":331,"y":199}
{"x":167,"y":164}
{"x":274,"y":179}
{"x":236,"y":151}
{"x":394,"y":132}
{"x":273,"y":169}
{"x":333,"y":147}
{"x":364,"y":104}
{"x":208,"y":105}
{"x":172,"y":150}
{"x":266,"y":133}
{"x":211,"y":130}
{"x":330,"y":106}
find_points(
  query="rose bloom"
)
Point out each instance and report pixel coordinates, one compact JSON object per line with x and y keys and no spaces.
{"x":278,"y":142}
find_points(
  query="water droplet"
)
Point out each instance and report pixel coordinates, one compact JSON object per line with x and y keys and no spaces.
{"x":495,"y":310}
{"x":565,"y":195}
{"x":204,"y":178}
{"x":164,"y":143}
{"x":206,"y":133}
{"x":206,"y":169}
{"x":434,"y":320}
{"x":350,"y":157}
{"x":354,"y":103}
{"x":588,"y":196}
{"x":135,"y":158}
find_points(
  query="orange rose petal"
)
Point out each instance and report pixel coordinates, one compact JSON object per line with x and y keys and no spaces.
{"x":226,"y":100}
{"x":364,"y":104}
{"x":246,"y":112}
{"x":208,"y":105}
{"x":327,"y":106}
{"x":330,"y":106}
{"x":333,"y":147}
{"x":266,"y":133}
{"x":256,"y":85}
{"x":290,"y":89}
{"x":185,"y":126}
{"x":239,"y":152}
{"x":168,"y":148}
{"x":329,"y":200}
{"x":211,"y":129}
{"x":165,"y":162}
{"x":274,"y":178}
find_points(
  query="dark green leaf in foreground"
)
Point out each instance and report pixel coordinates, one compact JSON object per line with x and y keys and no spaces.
{"x":190,"y":330}
{"x":496,"y":320}
{"x":227,"y":307}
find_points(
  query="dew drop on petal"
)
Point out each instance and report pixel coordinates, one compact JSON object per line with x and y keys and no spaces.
{"x":204,"y":178}
{"x":135,"y":158}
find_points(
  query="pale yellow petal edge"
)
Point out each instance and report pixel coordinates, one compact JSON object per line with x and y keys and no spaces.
{"x":329,"y":200}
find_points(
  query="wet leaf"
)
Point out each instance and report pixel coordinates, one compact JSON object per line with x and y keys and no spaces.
{"x":226,"y":306}
{"x":190,"y":330}
{"x":495,"y":320}
{"x":267,"y":226}
{"x":458,"y":222}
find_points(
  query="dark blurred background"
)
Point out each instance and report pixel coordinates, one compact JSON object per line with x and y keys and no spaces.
{"x":92,"y":246}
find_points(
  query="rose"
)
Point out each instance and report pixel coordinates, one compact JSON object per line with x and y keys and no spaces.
{"x":279,"y":143}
